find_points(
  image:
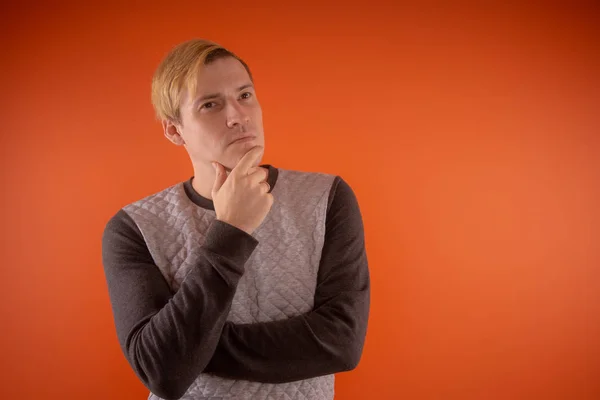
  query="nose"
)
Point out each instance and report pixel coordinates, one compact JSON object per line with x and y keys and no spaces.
{"x":236,"y":115}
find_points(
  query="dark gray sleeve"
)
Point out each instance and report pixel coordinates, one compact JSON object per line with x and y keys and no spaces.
{"x":168,"y":338}
{"x":327,"y":340}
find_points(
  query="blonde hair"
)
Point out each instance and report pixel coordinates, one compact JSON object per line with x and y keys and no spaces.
{"x":178,"y":71}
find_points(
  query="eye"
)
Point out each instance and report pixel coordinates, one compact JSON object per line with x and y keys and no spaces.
{"x":246,"y":95}
{"x":210,"y":104}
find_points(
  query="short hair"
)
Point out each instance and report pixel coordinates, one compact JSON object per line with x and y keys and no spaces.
{"x":178,"y":71}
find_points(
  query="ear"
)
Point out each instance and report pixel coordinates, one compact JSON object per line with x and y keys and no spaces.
{"x":172,"y":132}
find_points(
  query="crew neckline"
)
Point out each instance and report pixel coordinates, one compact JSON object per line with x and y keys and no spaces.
{"x":208,"y":204}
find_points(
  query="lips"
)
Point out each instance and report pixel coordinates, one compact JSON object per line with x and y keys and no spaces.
{"x":243,"y":138}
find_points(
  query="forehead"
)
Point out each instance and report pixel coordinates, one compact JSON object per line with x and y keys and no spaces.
{"x":221,"y":75}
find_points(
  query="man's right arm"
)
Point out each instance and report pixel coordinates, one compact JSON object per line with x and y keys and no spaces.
{"x":169,"y":338}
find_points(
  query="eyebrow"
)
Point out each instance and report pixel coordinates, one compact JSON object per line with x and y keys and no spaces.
{"x":215,"y":95}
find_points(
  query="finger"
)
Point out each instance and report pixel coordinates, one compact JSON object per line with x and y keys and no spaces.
{"x":265,"y":186}
{"x":220,"y":177}
{"x":249,"y":160}
{"x":258,"y":174}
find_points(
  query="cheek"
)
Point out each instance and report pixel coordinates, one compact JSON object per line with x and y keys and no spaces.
{"x":208,"y":133}
{"x":258,"y":116}
{"x":216,"y":143}
{"x":216,"y":139}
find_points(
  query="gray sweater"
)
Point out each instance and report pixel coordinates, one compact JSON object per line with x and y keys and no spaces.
{"x":205,"y":311}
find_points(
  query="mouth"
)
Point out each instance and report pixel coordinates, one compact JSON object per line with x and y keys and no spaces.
{"x":243,"y":139}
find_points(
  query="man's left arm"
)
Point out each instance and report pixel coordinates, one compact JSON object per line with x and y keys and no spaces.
{"x":327,"y":340}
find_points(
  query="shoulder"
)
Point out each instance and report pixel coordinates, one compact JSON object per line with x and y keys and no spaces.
{"x":342,"y":205}
{"x":122,"y":224}
{"x":303,"y":174}
{"x":305,"y":180}
{"x":342,"y":202}
{"x":121,"y":230}
{"x":171,"y":194}
{"x":340,"y":192}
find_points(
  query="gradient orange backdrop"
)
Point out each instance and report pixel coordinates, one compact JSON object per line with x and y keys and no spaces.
{"x":470,"y":135}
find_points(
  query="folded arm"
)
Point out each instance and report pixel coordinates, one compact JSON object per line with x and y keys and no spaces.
{"x":168,"y":338}
{"x":330,"y":338}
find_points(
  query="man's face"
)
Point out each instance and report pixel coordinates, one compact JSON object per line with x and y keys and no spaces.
{"x":223,"y":119}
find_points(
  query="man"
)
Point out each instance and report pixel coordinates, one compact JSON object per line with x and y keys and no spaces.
{"x":245,"y":281}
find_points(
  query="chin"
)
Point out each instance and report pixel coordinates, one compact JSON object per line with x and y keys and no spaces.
{"x":239,"y":153}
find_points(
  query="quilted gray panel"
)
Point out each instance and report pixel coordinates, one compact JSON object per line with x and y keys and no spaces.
{"x":280,"y":277}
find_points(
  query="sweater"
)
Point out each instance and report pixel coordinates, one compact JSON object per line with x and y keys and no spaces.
{"x":204,"y":310}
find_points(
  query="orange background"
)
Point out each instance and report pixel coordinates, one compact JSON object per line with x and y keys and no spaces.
{"x":471,"y":137}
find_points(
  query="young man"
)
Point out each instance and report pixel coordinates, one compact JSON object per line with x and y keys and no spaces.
{"x":245,"y":281}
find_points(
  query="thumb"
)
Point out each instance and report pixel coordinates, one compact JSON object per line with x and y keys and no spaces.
{"x":220,"y":177}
